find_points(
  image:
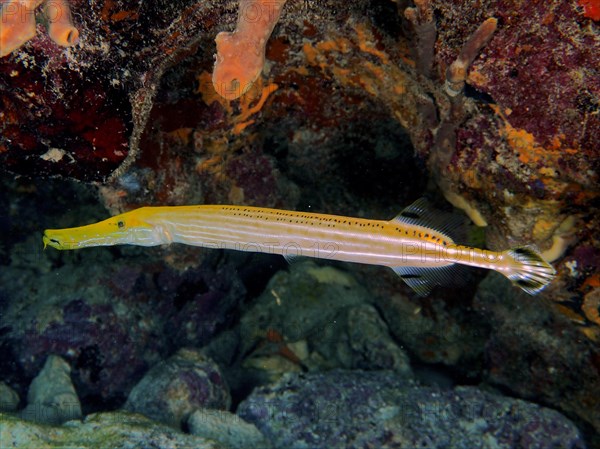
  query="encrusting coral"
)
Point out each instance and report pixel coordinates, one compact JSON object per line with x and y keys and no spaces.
{"x":18,"y":23}
{"x":241,"y":54}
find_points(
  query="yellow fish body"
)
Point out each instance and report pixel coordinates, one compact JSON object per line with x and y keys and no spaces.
{"x":415,"y":244}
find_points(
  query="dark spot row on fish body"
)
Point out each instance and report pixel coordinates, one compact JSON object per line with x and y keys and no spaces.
{"x":433,"y":237}
{"x":294,"y":218}
{"x":299,"y":218}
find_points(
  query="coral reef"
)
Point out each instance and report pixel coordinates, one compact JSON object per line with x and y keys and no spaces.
{"x":110,"y":340}
{"x":80,"y":112}
{"x":356,"y":110}
{"x":534,"y":145}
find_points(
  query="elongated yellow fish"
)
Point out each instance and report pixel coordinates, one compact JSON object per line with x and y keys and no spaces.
{"x":416,"y":244}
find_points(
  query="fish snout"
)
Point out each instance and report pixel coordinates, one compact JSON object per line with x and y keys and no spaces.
{"x":50,"y":239}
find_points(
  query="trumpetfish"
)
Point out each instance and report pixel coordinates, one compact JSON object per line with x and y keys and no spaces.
{"x":416,"y":244}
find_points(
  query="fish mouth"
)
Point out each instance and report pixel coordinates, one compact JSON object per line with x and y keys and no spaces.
{"x":51,"y":241}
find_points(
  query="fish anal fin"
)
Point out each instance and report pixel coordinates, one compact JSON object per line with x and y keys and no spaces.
{"x":291,"y":258}
{"x":424,"y":279}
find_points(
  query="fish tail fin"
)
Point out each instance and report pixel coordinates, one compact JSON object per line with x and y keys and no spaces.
{"x":527,"y":269}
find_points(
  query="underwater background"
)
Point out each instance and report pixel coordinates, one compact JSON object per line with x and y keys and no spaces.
{"x":490,"y":109}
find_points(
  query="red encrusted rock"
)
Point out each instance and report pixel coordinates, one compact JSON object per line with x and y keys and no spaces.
{"x":79,"y":112}
{"x":525,"y":155}
{"x":542,"y":70}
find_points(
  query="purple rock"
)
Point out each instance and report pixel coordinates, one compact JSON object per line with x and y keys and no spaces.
{"x":353,"y":409}
{"x":108,"y":319}
{"x":175,"y":388}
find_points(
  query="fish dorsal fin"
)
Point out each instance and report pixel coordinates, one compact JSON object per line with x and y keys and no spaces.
{"x":420,"y":213}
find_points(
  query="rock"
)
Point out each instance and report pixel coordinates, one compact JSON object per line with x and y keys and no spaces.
{"x":88,"y":314}
{"x":536,"y":352}
{"x":9,"y":399}
{"x":357,"y":338}
{"x":310,"y":317}
{"x":52,"y":398}
{"x":99,"y":431}
{"x":102,"y":310}
{"x":441,"y":329}
{"x":302,"y":301}
{"x":174,"y":388}
{"x":226,"y":428}
{"x":201,"y":300}
{"x":353,"y":409}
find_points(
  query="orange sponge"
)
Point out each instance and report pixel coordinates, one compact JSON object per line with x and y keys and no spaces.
{"x":17,"y":24}
{"x":60,"y":26}
{"x":241,"y":54}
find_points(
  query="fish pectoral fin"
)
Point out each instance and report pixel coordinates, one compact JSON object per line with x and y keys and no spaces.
{"x":422,"y":280}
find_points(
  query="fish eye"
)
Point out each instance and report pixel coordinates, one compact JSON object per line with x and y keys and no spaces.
{"x":121,"y":224}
